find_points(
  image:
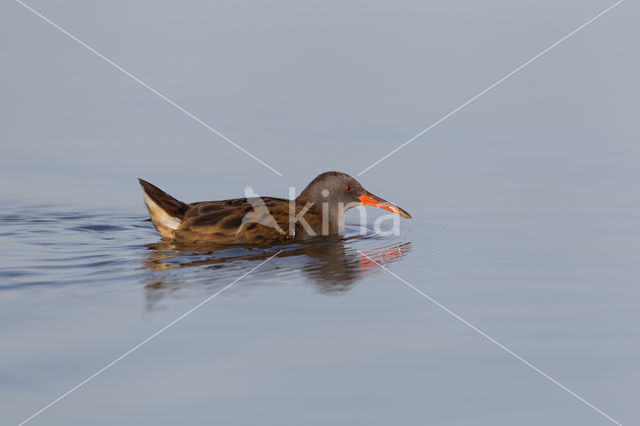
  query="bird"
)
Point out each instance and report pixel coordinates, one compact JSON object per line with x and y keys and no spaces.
{"x":317,"y":211}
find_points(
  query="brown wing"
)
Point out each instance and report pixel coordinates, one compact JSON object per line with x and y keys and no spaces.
{"x":236,"y":221}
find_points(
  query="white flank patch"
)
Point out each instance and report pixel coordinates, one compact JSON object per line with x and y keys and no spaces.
{"x":159,"y":215}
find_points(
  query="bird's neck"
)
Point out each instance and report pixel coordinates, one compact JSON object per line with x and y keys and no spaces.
{"x":331,"y":215}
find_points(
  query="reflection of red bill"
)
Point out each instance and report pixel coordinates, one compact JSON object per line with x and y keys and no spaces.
{"x":369,"y":199}
{"x":382,"y":256}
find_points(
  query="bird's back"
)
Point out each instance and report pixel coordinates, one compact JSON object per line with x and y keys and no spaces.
{"x":239,"y":220}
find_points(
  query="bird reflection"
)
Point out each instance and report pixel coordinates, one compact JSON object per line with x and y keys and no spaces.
{"x":331,"y":264}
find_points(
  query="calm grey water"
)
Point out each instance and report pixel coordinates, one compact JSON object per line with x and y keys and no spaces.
{"x":525,"y":207}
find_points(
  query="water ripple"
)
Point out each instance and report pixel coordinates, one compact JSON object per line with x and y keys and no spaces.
{"x":49,"y":247}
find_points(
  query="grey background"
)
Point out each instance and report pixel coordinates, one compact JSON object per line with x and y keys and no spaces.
{"x":525,"y":207}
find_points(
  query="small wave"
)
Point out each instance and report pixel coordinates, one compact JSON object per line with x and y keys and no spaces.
{"x":98,"y":228}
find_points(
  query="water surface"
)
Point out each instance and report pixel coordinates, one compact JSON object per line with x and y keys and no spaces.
{"x":318,"y":331}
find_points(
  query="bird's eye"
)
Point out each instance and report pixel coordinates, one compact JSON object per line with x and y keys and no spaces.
{"x":347,"y":188}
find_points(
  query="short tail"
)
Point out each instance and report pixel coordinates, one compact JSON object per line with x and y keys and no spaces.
{"x":166,"y":212}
